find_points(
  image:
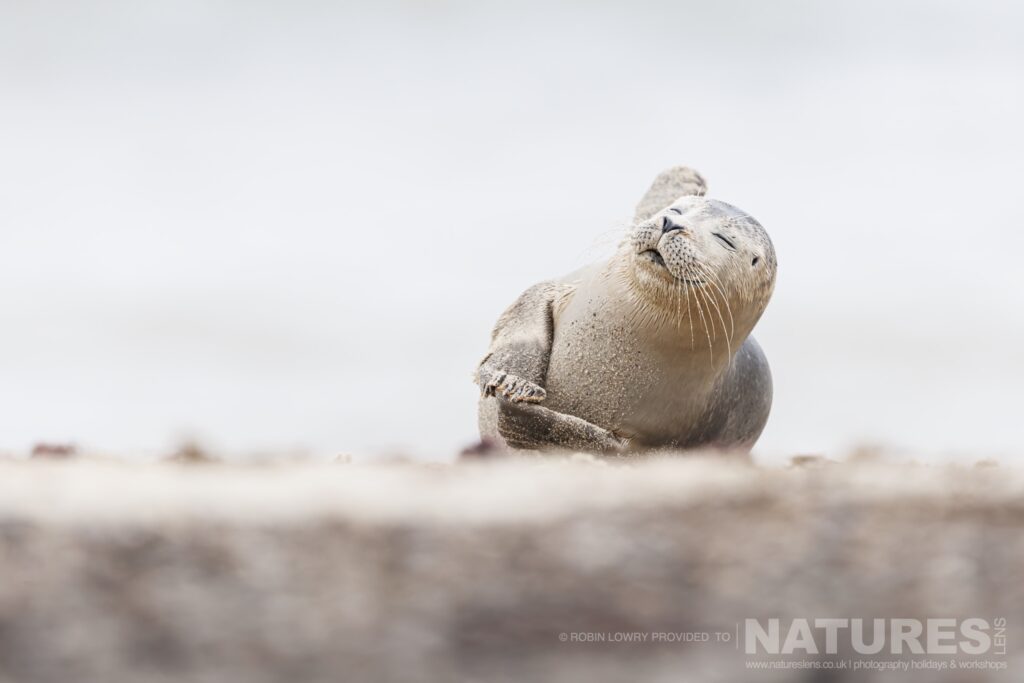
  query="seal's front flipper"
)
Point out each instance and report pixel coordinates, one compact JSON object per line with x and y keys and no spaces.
{"x":535,"y":427}
{"x":669,"y":186}
{"x":517,"y":362}
{"x":511,"y":380}
{"x":511,"y":387}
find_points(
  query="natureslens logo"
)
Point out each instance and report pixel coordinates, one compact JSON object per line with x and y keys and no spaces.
{"x":942,"y":636}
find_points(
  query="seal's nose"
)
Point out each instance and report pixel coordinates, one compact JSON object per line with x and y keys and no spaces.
{"x":668,"y":224}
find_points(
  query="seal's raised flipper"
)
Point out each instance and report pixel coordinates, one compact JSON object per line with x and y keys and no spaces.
{"x":669,"y":186}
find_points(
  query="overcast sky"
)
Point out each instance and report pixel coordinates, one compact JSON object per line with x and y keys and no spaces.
{"x":290,"y":226}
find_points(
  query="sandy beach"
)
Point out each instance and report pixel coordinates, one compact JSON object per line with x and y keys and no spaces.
{"x":326,"y":572}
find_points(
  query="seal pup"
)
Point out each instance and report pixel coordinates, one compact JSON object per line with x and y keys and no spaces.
{"x":650,"y":349}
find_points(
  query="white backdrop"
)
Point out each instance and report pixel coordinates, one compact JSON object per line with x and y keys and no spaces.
{"x":290,"y":226}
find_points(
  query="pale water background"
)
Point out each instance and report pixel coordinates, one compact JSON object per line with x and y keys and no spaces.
{"x":290,"y":226}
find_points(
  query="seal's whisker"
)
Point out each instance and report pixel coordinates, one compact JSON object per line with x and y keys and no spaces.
{"x":713,"y":280}
{"x":717,"y":284}
{"x":707,"y":333}
{"x":704,"y":296}
{"x":718,"y":309}
{"x":712,"y":301}
{"x":689,"y":316}
{"x":677,"y":297}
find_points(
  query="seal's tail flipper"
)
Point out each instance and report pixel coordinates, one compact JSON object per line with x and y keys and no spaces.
{"x":669,"y":186}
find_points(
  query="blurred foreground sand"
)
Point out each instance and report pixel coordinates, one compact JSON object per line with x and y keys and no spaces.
{"x":126,"y":572}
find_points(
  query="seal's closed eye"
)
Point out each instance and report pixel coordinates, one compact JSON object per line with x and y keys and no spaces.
{"x":725,"y":240}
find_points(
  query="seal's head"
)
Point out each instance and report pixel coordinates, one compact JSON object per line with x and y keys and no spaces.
{"x":707,"y":254}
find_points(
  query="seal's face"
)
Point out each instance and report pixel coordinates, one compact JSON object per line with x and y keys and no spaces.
{"x":706,"y":251}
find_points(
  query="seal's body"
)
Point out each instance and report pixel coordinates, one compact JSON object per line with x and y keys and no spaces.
{"x":648,"y":350}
